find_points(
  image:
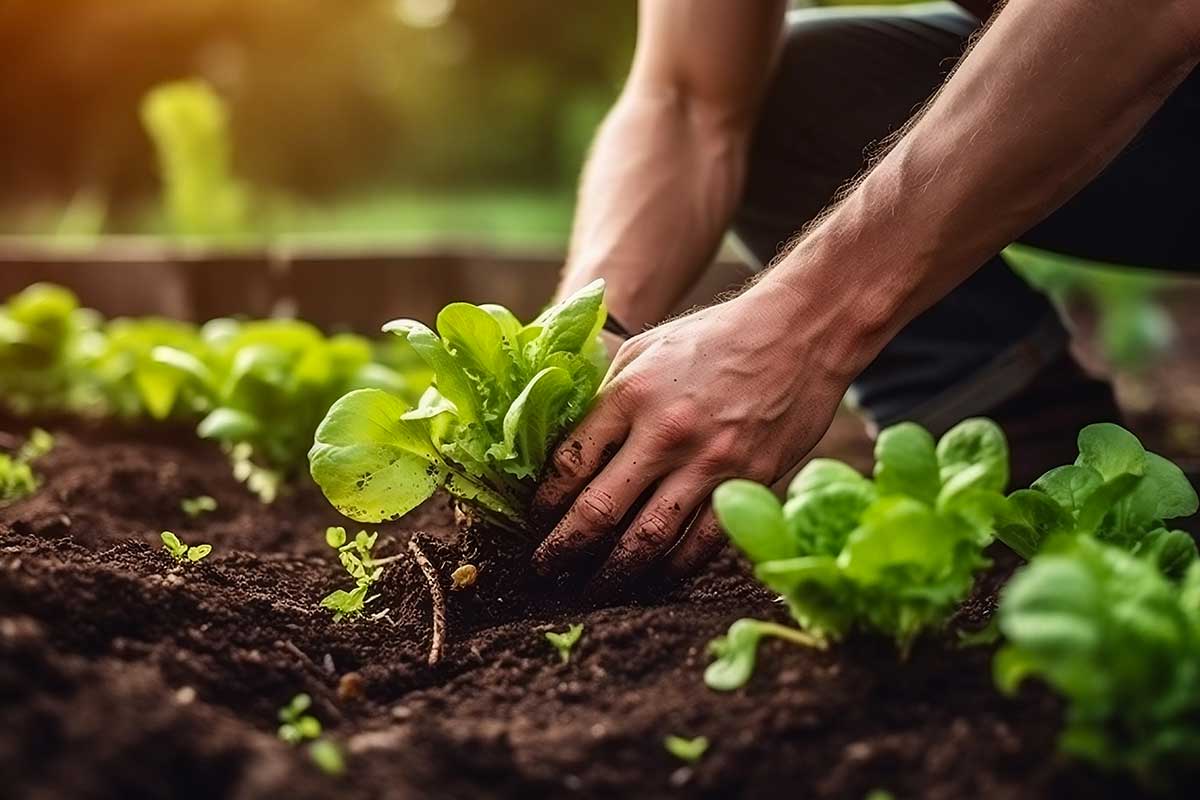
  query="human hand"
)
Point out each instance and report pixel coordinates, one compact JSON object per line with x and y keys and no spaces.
{"x":733,"y":390}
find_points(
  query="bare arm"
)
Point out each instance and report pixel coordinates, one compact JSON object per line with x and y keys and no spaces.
{"x":1051,"y":93}
{"x":666,"y":169}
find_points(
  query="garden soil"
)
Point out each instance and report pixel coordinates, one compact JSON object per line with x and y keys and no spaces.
{"x":124,"y":674}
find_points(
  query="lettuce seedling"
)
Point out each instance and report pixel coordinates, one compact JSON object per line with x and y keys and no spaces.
{"x":1120,"y":642}
{"x":296,"y":725}
{"x":17,"y":478}
{"x":356,"y":557}
{"x":563,"y":642}
{"x":269,"y":384}
{"x":685,"y":749}
{"x":737,"y":651}
{"x":134,"y":384}
{"x":195,"y":506}
{"x":896,"y":554}
{"x":1115,"y":491}
{"x":502,"y":394}
{"x":182,"y":552}
{"x":46,"y":340}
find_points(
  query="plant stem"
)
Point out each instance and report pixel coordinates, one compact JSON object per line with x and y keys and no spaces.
{"x":792,"y":635}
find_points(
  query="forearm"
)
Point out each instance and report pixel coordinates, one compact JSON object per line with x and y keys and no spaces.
{"x":655,"y":199}
{"x":1049,"y":95}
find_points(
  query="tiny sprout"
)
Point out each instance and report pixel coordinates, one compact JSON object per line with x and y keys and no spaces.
{"x":195,"y":506}
{"x":689,"y":750}
{"x":17,"y":479}
{"x":298,"y":726}
{"x":737,"y":651}
{"x":182,"y":552}
{"x":327,"y":756}
{"x":464,"y":577}
{"x":356,"y":557}
{"x":563,"y":642}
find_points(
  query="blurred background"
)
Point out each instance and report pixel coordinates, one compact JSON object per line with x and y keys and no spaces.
{"x":406,"y":128}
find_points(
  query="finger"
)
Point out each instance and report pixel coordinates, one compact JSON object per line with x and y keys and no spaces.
{"x":703,"y":540}
{"x":655,"y":529}
{"x":573,"y":463}
{"x":597,"y":511}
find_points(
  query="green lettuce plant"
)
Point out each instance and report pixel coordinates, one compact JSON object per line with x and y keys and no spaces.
{"x":1120,"y":642}
{"x":46,"y":343}
{"x":895,"y":555}
{"x":268,"y":385}
{"x":502,"y":393}
{"x":134,"y":384}
{"x":1116,"y":491}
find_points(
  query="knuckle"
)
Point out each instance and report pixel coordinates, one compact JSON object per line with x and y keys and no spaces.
{"x":653,"y":528}
{"x":676,"y":425}
{"x":597,"y":509}
{"x":567,"y":460}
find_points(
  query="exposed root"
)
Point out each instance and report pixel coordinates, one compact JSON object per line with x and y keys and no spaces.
{"x":439,"y":601}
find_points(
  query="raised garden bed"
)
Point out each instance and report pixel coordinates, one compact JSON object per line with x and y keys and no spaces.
{"x":124,"y":673}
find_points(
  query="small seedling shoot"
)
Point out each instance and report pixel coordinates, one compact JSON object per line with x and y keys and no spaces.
{"x":737,"y":651}
{"x":182,"y":552}
{"x":685,"y":749}
{"x":356,"y":556}
{"x":17,"y":479}
{"x":563,"y":642}
{"x":195,"y":506}
{"x":296,"y":725}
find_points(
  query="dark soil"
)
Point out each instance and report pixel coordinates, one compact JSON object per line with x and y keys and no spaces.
{"x":126,"y":675}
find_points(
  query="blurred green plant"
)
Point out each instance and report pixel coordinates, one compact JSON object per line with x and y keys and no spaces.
{"x":1131,"y":325}
{"x":189,"y":125}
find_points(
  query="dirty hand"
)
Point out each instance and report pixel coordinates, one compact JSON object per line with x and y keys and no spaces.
{"x":734,"y":390}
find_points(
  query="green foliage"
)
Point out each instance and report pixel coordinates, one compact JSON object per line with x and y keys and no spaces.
{"x":328,"y":757}
{"x":45,"y":341}
{"x":268,"y":384}
{"x":737,"y":651}
{"x":894,"y":555}
{"x":195,"y":506}
{"x":1115,"y":491}
{"x":357,"y":558}
{"x":502,"y":393}
{"x":685,"y":749}
{"x":563,"y":642}
{"x":1132,"y":326}
{"x":17,"y":478}
{"x":134,"y":384}
{"x":189,"y":125}
{"x":182,"y":552}
{"x":1121,"y":643}
{"x":296,"y":725}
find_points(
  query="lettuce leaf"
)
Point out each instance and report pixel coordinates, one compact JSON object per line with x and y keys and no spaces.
{"x":502,"y":393}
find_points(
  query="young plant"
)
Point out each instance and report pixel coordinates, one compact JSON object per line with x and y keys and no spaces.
{"x":269,"y":384}
{"x":563,"y":642}
{"x":737,"y":651}
{"x":46,"y":343}
{"x":685,"y":749}
{"x":895,"y":555}
{"x":296,"y":724}
{"x":502,"y":394}
{"x":1120,"y":642}
{"x":1115,"y":491}
{"x":182,"y":552}
{"x":356,"y":556}
{"x":195,"y":506}
{"x":134,"y":384}
{"x":17,"y":478}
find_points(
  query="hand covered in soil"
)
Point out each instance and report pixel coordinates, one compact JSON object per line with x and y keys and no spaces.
{"x":733,"y":390}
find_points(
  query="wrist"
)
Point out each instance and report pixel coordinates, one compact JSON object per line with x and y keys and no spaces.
{"x":839,"y":306}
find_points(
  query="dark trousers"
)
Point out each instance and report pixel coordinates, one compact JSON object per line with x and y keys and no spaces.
{"x":847,"y":79}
